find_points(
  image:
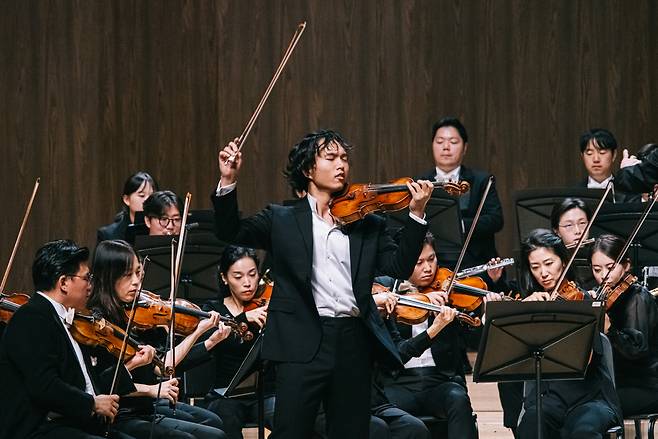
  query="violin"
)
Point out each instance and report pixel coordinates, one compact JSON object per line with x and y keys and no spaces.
{"x":263,"y":294}
{"x":414,"y":308}
{"x":610,"y":295}
{"x":467,"y":293}
{"x":9,"y":303}
{"x":152,"y":311}
{"x":358,"y":200}
{"x":568,"y":290}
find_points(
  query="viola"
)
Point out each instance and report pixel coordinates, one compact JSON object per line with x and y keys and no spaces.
{"x":152,"y":311}
{"x":414,"y":308}
{"x":467,"y":293}
{"x":358,"y":200}
{"x":611,"y":294}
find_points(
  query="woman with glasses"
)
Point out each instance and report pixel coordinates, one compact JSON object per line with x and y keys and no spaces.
{"x":162,"y":213}
{"x":136,"y":189}
{"x":632,"y":327}
{"x":117,"y":272}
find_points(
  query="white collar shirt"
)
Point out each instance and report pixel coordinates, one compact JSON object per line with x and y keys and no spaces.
{"x":452,"y":176}
{"x":593,"y":184}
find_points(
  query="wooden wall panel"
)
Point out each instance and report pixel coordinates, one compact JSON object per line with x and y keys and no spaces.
{"x":91,"y":91}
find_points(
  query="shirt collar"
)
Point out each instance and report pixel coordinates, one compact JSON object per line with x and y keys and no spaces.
{"x":448,"y":176}
{"x":593,"y":184}
{"x":59,"y":308}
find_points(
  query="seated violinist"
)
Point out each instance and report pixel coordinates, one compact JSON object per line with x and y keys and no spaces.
{"x":574,"y":408}
{"x":48,"y":390}
{"x":239,"y":281}
{"x":632,"y":329}
{"x":162,"y":213}
{"x":433,"y":383}
{"x":136,"y":189}
{"x":117,"y":280}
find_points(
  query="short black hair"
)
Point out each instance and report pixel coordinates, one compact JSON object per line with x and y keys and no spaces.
{"x":54,"y":259}
{"x":450,"y":121}
{"x":566,"y":205}
{"x":230,"y":255}
{"x":302,"y":156}
{"x":157,"y":202}
{"x":540,"y":238}
{"x":603,"y":138}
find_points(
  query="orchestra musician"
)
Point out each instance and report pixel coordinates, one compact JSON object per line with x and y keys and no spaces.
{"x":575,"y":408}
{"x":323,"y":328}
{"x":432,"y":383}
{"x":598,"y":150}
{"x":632,"y":327}
{"x":238,"y":284}
{"x":162,"y":213}
{"x":137,"y":188}
{"x":118,"y":277}
{"x":48,"y":390}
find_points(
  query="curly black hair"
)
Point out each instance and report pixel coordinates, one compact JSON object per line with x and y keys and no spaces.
{"x":301,"y":158}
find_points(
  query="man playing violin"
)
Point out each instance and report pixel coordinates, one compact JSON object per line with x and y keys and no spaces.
{"x":323,"y":328}
{"x":433,"y":383}
{"x":48,"y":390}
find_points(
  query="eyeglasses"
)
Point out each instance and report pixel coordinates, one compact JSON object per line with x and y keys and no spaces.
{"x":89,"y":277}
{"x":569,"y":226}
{"x":165,"y":221}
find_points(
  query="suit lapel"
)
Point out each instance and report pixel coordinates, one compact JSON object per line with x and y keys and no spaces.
{"x":305,"y":224}
{"x":465,"y":200}
{"x":356,"y":244}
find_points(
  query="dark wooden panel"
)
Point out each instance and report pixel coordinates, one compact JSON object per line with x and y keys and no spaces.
{"x":92,"y":91}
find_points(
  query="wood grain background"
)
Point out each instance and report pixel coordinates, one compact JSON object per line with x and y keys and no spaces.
{"x":91,"y":91}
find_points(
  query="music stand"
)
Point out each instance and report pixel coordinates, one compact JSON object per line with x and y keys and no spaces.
{"x":198,"y":273}
{"x":525,"y":341}
{"x":249,"y":380}
{"x":443,"y":216}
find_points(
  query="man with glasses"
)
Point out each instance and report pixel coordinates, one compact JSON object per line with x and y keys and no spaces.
{"x":162,"y":213}
{"x":47,"y":387}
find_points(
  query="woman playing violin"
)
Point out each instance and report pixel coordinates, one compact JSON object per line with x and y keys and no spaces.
{"x":632,"y":329}
{"x":581,"y":408}
{"x":433,"y":384}
{"x":118,"y":276}
{"x":238,"y":283}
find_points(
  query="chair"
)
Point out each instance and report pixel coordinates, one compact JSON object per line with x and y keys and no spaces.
{"x":637,"y":420}
{"x":198,"y":381}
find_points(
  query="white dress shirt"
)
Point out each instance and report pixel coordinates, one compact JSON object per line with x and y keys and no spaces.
{"x":452,"y":176}
{"x":593,"y":184}
{"x":62,"y":312}
{"x":426,"y":358}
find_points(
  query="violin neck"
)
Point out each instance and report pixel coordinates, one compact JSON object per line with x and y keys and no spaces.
{"x":390,"y":188}
{"x":407,"y":301}
{"x":191,"y":311}
{"x":469,"y":290}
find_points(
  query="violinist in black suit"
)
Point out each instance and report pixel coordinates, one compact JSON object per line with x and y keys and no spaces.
{"x":47,"y":389}
{"x":449,"y":146}
{"x":323,"y":328}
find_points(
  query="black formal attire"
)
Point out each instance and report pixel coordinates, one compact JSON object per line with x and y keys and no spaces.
{"x":620,"y":196}
{"x":318,"y":359}
{"x":43,"y":386}
{"x":483,"y":244}
{"x":641,"y":177}
{"x":438,"y":390}
{"x":117,"y":230}
{"x":574,"y":409}
{"x":633,"y":334}
{"x":229,"y":355}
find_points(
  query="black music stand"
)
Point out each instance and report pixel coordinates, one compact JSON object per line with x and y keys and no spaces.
{"x":249,"y":380}
{"x":199,"y":271}
{"x":537,"y":340}
{"x":620,"y":219}
{"x":443,"y":216}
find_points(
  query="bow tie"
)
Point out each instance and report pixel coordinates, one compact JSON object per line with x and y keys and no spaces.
{"x":68,"y":317}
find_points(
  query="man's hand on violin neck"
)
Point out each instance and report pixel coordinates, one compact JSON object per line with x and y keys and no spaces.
{"x":230,"y":161}
{"x":420,"y":191}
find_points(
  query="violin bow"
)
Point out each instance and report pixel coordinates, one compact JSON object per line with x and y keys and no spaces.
{"x":453,"y":278}
{"x":286,"y":56}
{"x":600,"y":291}
{"x":20,"y":235}
{"x":565,"y":270}
{"x":124,"y":343}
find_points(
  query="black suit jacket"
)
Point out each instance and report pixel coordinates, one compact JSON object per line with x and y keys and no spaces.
{"x":483,"y":243}
{"x":619,"y":195}
{"x":117,"y":230}
{"x":641,"y":177}
{"x":39,"y":372}
{"x":293,"y":329}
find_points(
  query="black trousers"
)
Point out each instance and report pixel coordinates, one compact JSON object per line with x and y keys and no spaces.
{"x":338,"y":376}
{"x":236,"y":412}
{"x":189,"y":413}
{"x":72,"y":429}
{"x":638,"y":401}
{"x":140,"y":428}
{"x":589,"y":420}
{"x":426,"y":392}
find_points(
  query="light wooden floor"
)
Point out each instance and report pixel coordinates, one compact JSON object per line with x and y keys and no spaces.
{"x":484,"y":398}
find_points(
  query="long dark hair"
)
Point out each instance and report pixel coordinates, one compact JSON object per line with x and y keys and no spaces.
{"x":611,"y":246}
{"x":112,"y":260}
{"x":230,"y":255}
{"x":132,"y":184}
{"x":539,"y":238}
